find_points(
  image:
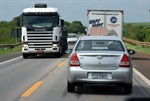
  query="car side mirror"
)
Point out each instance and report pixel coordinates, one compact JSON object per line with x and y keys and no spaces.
{"x":131,"y":52}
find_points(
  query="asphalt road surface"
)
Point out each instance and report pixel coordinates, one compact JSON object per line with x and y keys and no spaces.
{"x":44,"y":78}
{"x":141,"y":62}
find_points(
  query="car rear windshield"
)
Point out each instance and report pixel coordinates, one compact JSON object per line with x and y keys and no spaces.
{"x":99,"y":45}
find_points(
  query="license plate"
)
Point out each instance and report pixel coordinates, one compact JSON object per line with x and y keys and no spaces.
{"x":99,"y":75}
{"x":40,"y":51}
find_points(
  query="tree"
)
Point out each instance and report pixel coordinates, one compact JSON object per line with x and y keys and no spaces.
{"x":147,"y":39}
{"x":5,"y":31}
{"x":67,"y":23}
{"x":76,"y":27}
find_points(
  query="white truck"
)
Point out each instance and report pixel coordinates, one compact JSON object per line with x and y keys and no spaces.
{"x":43,"y":32}
{"x":105,"y":22}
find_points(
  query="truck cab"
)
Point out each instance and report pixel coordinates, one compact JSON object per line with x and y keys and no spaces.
{"x":42,"y":31}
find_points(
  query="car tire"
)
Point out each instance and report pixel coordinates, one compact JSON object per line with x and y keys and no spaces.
{"x":128,"y":88}
{"x":71,"y":87}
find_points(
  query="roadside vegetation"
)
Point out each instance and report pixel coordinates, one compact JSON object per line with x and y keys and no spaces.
{"x":10,"y":50}
{"x":145,"y":50}
{"x":137,"y":31}
{"x":5,"y":32}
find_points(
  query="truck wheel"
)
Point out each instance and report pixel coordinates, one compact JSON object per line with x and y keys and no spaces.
{"x":25,"y":56}
{"x":128,"y":88}
{"x":70,"y":87}
{"x":63,"y":49}
{"x":58,"y":55}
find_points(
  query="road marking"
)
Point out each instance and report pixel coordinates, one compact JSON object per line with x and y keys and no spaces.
{"x":60,"y":64}
{"x":10,"y":60}
{"x":142,"y":76}
{"x":32,"y":89}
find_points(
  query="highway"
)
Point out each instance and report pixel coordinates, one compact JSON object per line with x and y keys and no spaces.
{"x":44,"y":78}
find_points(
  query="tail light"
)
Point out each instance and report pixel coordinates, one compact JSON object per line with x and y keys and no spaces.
{"x":124,"y":61}
{"x":74,"y":60}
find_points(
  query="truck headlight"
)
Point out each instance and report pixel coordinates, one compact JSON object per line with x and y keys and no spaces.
{"x":25,"y":45}
{"x":55,"y":45}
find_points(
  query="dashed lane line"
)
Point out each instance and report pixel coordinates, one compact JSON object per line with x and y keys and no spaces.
{"x":60,"y":64}
{"x":32,"y":89}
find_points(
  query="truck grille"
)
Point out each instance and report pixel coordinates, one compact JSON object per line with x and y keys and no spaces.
{"x":40,"y":39}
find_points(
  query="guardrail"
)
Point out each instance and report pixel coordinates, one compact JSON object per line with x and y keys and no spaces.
{"x":134,"y":42}
{"x":4,"y":46}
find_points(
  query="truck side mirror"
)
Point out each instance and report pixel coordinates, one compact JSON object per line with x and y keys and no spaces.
{"x":62,"y":22}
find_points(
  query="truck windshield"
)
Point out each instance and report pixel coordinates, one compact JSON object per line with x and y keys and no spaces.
{"x":40,"y":21}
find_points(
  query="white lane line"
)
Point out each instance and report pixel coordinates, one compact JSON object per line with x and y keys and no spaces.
{"x":142,"y":76}
{"x":10,"y":60}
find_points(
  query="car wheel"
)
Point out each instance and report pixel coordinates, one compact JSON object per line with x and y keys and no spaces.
{"x":128,"y":88}
{"x":71,"y":87}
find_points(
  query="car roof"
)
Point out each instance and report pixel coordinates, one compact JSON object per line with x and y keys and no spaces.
{"x":99,"y":38}
{"x":71,"y":34}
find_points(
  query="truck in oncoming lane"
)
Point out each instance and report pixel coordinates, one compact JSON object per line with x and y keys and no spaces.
{"x":105,"y":22}
{"x":43,"y":32}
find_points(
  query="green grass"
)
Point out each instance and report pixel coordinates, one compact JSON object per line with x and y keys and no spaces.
{"x":138,"y":48}
{"x":6,"y":50}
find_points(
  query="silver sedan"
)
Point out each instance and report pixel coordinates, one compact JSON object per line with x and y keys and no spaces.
{"x":100,"y":60}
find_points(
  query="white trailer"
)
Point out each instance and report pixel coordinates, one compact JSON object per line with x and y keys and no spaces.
{"x":105,"y":22}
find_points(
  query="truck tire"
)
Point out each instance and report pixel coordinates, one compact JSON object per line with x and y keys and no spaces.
{"x":25,"y":56}
{"x":62,"y":47}
{"x":58,"y":55}
{"x":65,"y":46}
{"x":70,"y":87}
{"x":62,"y":44}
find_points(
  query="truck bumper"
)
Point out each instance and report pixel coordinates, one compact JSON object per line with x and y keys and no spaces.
{"x":41,"y":50}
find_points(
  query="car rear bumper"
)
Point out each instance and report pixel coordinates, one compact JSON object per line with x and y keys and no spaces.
{"x":79,"y":75}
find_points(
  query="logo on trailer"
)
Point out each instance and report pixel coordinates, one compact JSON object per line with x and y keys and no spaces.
{"x":96,"y":23}
{"x":113,"y":19}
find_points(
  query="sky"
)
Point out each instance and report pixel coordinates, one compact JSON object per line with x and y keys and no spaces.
{"x":76,"y":10}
